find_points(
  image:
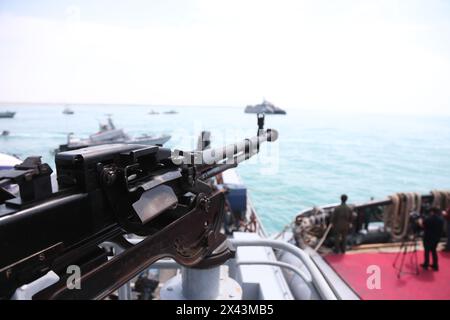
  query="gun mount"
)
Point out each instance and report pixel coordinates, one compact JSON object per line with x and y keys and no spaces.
{"x":104,"y":194}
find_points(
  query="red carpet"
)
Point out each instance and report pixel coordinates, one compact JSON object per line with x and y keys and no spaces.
{"x":426,"y":285}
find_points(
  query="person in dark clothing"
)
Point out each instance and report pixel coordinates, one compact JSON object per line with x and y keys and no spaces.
{"x":447,"y":218}
{"x":432,"y":230}
{"x":145,"y":287}
{"x":341,"y":219}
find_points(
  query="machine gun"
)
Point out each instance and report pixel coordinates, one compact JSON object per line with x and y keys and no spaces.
{"x":105,"y":194}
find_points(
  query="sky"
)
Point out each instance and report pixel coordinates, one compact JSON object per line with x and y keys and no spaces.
{"x":353,"y":55}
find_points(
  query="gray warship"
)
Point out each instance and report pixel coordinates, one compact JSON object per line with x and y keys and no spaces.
{"x":265,"y":107}
{"x":108,"y":134}
{"x":7,"y":114}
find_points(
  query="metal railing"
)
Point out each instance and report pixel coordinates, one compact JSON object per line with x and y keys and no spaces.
{"x":317,"y":279}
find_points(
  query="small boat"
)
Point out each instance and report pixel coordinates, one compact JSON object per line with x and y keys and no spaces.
{"x":7,"y":114}
{"x":67,"y":110}
{"x":153,"y":112}
{"x":108,"y":134}
{"x":5,"y":133}
{"x":264,"y":107}
{"x":170,"y":112}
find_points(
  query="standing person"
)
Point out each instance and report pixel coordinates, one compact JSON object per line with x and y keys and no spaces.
{"x":447,"y":218}
{"x":145,"y":286}
{"x":432,"y":230}
{"x":341,"y":219}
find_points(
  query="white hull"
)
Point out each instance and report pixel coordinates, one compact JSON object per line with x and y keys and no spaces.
{"x":151,"y":140}
{"x":74,"y":144}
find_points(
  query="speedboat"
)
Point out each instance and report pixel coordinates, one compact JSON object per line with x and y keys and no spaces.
{"x":108,"y":134}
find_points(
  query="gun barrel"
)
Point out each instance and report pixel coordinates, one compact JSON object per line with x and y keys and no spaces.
{"x":240,"y":151}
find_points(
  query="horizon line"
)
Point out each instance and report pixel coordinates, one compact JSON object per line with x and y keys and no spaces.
{"x":114,"y":104}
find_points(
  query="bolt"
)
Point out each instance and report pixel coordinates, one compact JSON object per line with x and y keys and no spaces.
{"x":205,"y":203}
{"x":109,"y":176}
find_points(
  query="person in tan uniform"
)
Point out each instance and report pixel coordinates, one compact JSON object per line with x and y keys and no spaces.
{"x":341,"y":220}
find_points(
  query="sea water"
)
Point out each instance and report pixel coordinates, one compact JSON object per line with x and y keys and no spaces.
{"x":319,"y":155}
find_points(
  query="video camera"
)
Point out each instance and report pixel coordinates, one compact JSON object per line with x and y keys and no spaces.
{"x":414,"y":222}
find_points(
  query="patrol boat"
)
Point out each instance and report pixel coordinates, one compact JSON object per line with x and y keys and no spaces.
{"x":265,"y":107}
{"x":7,"y":114}
{"x":107,"y":134}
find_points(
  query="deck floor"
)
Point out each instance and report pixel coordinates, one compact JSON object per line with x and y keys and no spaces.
{"x":427,"y":285}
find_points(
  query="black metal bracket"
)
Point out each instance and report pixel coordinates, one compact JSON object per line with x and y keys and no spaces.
{"x":33,"y":178}
{"x":187,"y":248}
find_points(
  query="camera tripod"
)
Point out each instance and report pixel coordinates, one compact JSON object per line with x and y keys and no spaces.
{"x":407,"y":246}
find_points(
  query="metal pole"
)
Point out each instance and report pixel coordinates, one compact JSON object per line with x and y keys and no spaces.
{"x":200,"y":284}
{"x":124,"y":291}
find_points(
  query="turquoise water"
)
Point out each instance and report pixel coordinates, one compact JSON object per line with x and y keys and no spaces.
{"x":318,"y":155}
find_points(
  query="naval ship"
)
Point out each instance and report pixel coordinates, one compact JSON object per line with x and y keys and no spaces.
{"x":7,"y":114}
{"x":109,"y":134}
{"x":265,"y":107}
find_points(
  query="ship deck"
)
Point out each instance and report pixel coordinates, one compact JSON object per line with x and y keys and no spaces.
{"x":427,"y":285}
